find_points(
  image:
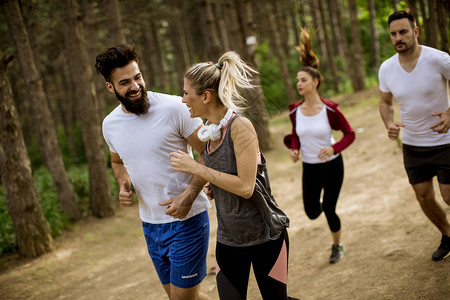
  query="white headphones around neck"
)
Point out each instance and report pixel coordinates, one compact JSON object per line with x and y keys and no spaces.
{"x":213,"y":132}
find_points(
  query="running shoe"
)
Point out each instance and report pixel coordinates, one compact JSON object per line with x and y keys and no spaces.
{"x":444,"y":249}
{"x":337,"y":253}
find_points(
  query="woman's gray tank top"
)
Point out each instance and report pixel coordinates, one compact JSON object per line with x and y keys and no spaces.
{"x":244,"y":222}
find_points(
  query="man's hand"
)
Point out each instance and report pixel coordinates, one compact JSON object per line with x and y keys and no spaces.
{"x":444,"y":122}
{"x":178,"y":206}
{"x":126,"y":195}
{"x":394,"y":130}
{"x":295,"y":155}
{"x":208,"y":191}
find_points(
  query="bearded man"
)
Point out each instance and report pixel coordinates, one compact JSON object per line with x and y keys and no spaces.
{"x":141,"y":132}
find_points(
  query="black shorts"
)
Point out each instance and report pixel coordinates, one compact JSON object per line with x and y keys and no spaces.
{"x":423,"y":163}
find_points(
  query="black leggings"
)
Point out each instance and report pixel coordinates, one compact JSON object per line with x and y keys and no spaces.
{"x":269,"y":262}
{"x":328,"y":177}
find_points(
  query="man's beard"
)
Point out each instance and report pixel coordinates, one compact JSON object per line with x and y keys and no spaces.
{"x":138,"y":106}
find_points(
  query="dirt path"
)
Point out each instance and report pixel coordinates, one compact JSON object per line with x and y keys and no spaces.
{"x":388,"y":239}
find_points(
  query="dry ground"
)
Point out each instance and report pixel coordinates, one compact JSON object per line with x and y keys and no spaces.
{"x":388,"y":239}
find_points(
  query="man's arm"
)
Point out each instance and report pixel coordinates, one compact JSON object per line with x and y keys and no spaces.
{"x":180,"y":205}
{"x":123,"y":180}
{"x":387,"y":115}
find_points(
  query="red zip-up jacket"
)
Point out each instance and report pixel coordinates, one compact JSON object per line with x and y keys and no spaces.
{"x":335,"y":118}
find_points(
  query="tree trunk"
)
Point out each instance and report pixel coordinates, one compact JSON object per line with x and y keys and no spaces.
{"x":214,"y":49}
{"x":32,"y":231}
{"x":99,"y":185}
{"x":434,"y":30}
{"x":426,"y":20}
{"x":343,"y":44}
{"x":357,"y":47}
{"x":92,"y":43}
{"x":330,"y":55}
{"x":114,"y":20}
{"x":274,"y":44}
{"x":256,"y":112}
{"x":47,"y":134}
{"x":374,"y":37}
{"x":443,"y":18}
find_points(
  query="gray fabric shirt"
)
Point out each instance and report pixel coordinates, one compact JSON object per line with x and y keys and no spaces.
{"x":244,"y":222}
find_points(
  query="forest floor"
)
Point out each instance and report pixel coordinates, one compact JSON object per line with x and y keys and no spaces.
{"x":388,"y":239}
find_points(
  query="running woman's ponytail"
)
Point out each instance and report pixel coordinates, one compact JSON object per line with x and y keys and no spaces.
{"x":307,"y":56}
{"x":224,"y":78}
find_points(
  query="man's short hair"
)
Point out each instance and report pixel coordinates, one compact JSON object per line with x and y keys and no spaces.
{"x":403,"y":14}
{"x":114,"y":57}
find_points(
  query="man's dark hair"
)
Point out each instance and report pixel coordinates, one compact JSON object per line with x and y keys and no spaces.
{"x":403,"y":14}
{"x":114,"y":57}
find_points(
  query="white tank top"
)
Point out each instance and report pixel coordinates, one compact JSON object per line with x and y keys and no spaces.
{"x":315,"y":133}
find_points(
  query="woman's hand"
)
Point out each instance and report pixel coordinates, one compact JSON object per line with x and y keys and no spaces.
{"x":295,"y":155}
{"x":182,"y":162}
{"x":325,"y":153}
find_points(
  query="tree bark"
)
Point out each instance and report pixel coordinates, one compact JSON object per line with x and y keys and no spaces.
{"x":44,"y":121}
{"x":81,"y":72}
{"x":426,"y":22}
{"x":256,"y":112}
{"x":114,"y":20}
{"x":374,"y":38}
{"x":443,"y":19}
{"x":357,"y":47}
{"x":434,"y":30}
{"x":214,"y":49}
{"x":32,"y":231}
{"x":330,"y":55}
{"x":274,"y":44}
{"x":343,"y":44}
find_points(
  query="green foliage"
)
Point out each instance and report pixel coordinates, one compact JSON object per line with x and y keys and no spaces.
{"x":275,"y":95}
{"x":79,"y":177}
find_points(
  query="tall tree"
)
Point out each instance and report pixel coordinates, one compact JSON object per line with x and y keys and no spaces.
{"x":81,"y":73}
{"x":356,"y":45}
{"x":443,"y":18}
{"x":32,"y":231}
{"x":257,"y":112}
{"x":433,"y":22}
{"x":426,"y":22}
{"x":374,"y":37}
{"x":274,"y":43}
{"x":329,"y":49}
{"x":342,"y":42}
{"x":214,"y":49}
{"x":43,"y":118}
{"x":114,"y":19}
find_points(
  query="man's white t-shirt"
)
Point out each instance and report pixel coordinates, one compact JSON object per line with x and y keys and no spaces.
{"x":419,"y":93}
{"x":144,"y":143}
{"x":315,"y":133}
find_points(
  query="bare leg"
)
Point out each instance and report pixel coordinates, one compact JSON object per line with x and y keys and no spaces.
{"x":336,"y":237}
{"x":425,"y":195}
{"x":193,"y":293}
{"x":445,"y":192}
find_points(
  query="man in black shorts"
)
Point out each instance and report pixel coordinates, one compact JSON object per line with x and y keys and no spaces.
{"x":417,"y":76}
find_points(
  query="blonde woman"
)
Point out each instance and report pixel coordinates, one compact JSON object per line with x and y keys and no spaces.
{"x":251,"y":227}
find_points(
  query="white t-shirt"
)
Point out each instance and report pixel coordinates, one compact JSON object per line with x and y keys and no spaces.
{"x":419,"y":93}
{"x":314,"y":133}
{"x":144,"y":143}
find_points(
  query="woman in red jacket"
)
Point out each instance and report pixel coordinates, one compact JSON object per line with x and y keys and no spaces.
{"x":313,"y":120}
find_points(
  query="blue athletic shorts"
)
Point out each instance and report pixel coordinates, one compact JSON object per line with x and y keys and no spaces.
{"x":178,"y":250}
